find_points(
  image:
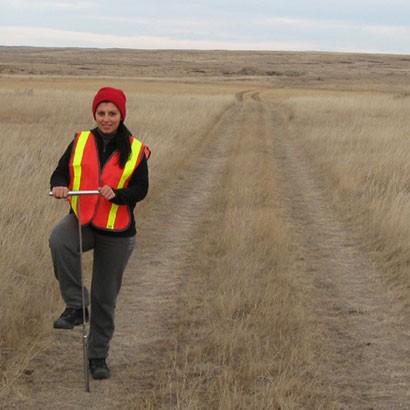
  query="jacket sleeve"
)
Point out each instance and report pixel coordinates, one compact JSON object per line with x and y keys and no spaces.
{"x":137,"y":188}
{"x":61,"y":175}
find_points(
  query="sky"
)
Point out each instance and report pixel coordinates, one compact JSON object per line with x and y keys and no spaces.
{"x":369,"y":26}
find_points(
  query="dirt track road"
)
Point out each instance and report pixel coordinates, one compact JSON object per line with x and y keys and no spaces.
{"x":367,"y":345}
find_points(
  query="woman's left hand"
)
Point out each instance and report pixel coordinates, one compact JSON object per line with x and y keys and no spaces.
{"x":107,"y":192}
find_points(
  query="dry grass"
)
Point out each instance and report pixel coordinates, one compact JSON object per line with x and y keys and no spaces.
{"x":244,"y":338}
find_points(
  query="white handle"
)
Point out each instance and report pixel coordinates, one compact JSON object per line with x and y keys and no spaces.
{"x":70,"y":193}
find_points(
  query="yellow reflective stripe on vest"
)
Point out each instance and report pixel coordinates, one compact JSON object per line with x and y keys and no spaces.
{"x":130,"y":164}
{"x":78,"y":157}
{"x":128,"y":170}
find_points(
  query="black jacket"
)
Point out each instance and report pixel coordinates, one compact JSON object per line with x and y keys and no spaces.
{"x":136,"y":190}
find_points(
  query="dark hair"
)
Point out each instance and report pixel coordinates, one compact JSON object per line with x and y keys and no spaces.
{"x":122,"y":140}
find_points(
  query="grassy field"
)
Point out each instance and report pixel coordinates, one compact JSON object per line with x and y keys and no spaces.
{"x":243,"y":336}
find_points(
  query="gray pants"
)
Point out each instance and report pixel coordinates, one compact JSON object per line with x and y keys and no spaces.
{"x":111,"y":256}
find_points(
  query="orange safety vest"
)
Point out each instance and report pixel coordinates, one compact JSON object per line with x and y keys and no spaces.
{"x":85,"y":174}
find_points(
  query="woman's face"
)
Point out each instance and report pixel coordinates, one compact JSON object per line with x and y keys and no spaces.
{"x":108,"y":117}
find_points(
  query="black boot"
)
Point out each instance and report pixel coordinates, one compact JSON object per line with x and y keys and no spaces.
{"x":70,"y":317}
{"x":99,"y":369}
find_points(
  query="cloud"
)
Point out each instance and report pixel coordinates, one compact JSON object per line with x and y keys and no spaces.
{"x":25,"y":5}
{"x":323,"y":25}
{"x":388,"y":31}
{"x":33,"y":36}
{"x":339,"y":35}
{"x":74,"y":5}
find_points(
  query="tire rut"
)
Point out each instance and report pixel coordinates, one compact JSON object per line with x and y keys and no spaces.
{"x":366,"y":341}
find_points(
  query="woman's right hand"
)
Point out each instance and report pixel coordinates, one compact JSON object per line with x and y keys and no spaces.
{"x":60,"y":192}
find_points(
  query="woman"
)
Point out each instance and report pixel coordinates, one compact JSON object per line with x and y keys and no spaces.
{"x":109,"y":159}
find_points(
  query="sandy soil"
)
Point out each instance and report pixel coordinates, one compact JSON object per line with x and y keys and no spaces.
{"x":367,"y":340}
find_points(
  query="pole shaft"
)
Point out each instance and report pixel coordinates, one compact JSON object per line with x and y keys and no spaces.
{"x":85,"y":358}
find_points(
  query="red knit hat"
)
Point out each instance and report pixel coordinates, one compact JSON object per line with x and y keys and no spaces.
{"x":114,"y":95}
